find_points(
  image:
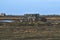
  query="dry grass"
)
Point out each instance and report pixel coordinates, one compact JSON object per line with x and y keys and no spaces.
{"x":29,"y":33}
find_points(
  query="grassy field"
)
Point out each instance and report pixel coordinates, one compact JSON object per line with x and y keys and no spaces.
{"x":29,"y":32}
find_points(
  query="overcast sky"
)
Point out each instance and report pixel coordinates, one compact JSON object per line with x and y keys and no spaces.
{"x":19,"y":7}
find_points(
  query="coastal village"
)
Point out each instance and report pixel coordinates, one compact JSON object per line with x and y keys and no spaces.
{"x":52,"y":19}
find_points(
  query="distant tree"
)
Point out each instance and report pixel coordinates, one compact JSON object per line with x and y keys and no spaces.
{"x":43,"y":19}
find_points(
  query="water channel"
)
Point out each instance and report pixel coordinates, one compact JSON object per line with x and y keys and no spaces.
{"x":7,"y":21}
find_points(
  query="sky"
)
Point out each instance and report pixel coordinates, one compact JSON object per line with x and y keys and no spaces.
{"x":20,"y":7}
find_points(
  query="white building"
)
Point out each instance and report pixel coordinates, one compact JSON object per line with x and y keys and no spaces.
{"x":2,"y":14}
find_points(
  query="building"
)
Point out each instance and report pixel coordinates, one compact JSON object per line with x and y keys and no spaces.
{"x":31,"y":17}
{"x":2,"y":14}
